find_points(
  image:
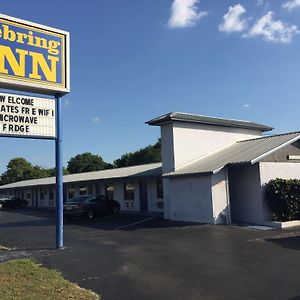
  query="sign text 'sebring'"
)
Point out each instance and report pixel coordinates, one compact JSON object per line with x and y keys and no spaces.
{"x":33,"y":57}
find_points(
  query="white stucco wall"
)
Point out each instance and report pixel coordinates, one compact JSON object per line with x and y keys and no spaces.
{"x":167,"y":148}
{"x":192,"y":141}
{"x":152,"y":196}
{"x":189,"y":199}
{"x":119,"y":194}
{"x":245,"y":194}
{"x":220,"y":197}
{"x":272,"y":170}
{"x":184,"y":142}
{"x":118,"y":185}
{"x":167,"y":198}
{"x":118,"y":191}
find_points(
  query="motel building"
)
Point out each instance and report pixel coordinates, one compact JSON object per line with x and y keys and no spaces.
{"x":213,"y":171}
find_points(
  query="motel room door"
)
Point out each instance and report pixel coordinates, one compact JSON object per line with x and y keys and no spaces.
{"x":143,"y":196}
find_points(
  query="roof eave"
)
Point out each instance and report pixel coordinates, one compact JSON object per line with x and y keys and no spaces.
{"x":187,"y":174}
{"x":169,"y":119}
{"x":259,"y":158}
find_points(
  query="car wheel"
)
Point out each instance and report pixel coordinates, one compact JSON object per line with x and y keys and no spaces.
{"x":90,"y":215}
{"x":116,"y":210}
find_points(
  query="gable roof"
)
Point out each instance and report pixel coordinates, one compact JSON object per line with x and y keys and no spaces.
{"x":192,"y":118}
{"x":247,"y":151}
{"x":147,"y":170}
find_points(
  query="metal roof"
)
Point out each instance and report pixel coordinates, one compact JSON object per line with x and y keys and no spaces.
{"x":192,"y":118}
{"x":148,"y":170}
{"x":247,"y":151}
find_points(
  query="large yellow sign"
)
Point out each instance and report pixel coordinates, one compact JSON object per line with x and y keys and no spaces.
{"x":33,"y":57}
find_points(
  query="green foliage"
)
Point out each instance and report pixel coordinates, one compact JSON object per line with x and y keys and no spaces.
{"x":149,"y":154}
{"x":87,"y":162}
{"x":19,"y":169}
{"x":52,"y":172}
{"x":283,"y":198}
{"x":23,"y":279}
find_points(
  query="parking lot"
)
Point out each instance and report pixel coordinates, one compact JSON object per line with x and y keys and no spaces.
{"x":136,"y":257}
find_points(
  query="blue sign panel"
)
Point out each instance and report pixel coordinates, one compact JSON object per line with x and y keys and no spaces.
{"x":33,"y":57}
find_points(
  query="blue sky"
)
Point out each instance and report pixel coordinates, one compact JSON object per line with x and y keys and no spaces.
{"x":134,"y":60}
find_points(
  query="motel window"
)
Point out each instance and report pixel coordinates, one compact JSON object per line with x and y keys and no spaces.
{"x":71,"y":192}
{"x":28,"y":195}
{"x":128,"y":191}
{"x":82,"y":190}
{"x":42,"y":195}
{"x":109,"y":191}
{"x":159,"y":189}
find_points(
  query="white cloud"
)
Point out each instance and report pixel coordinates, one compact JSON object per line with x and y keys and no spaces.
{"x":272,"y":30}
{"x":233,"y":21}
{"x":185,"y":13}
{"x":96,"y":120}
{"x":291,"y":4}
{"x":246,"y":105}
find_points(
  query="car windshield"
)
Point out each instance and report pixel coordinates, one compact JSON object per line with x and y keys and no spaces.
{"x":80,"y":199}
{"x":7,"y":197}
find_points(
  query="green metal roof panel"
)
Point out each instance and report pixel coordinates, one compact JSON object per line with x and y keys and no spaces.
{"x":147,"y":170}
{"x":247,"y":151}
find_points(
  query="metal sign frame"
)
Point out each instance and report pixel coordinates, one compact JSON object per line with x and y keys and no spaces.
{"x":57,"y":92}
{"x":25,"y":84}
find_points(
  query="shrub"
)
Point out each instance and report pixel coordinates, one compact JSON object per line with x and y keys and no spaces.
{"x":283,"y":198}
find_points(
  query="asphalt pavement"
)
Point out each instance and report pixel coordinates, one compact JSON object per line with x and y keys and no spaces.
{"x":136,"y":257}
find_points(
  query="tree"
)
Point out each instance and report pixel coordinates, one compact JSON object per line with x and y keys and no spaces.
{"x":86,"y":162}
{"x":149,"y":154}
{"x":52,"y":172}
{"x":17,"y":169}
{"x":20,"y":169}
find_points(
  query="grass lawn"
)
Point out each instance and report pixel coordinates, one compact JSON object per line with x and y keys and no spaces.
{"x":25,"y":279}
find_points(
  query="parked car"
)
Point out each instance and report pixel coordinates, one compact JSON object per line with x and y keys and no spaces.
{"x":90,"y":206}
{"x":12,"y":202}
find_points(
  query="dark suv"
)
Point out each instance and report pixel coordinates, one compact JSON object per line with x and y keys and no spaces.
{"x":12,"y":202}
{"x":90,"y":206}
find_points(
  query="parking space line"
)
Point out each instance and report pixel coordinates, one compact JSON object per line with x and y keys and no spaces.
{"x":136,"y":223}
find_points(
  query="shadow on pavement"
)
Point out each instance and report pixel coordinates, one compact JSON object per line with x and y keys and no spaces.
{"x":39,"y":213}
{"x":295,"y":298}
{"x":123,"y":221}
{"x":127,"y":222}
{"x":292,"y":242}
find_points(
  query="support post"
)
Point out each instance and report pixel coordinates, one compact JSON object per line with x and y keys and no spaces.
{"x":59,"y":176}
